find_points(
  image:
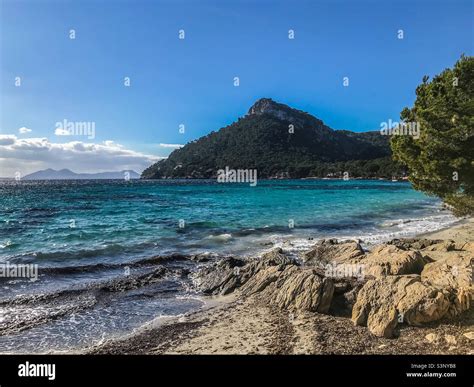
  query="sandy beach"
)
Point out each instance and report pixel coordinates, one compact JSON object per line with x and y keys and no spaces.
{"x":238,"y":324}
{"x":460,"y":232}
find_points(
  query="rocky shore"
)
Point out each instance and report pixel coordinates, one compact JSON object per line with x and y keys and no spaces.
{"x":407,"y":296}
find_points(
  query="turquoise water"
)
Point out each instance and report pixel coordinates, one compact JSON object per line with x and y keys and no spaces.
{"x":83,"y":234}
{"x":76,"y":221}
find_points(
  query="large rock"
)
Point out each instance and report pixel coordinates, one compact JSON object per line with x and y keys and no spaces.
{"x":384,"y":302}
{"x":454,"y":270}
{"x":292,"y":288}
{"x":265,"y":277}
{"x":305,"y":290}
{"x":331,"y":251}
{"x":229,"y":274}
{"x":219,"y":278}
{"x":387,"y":260}
{"x":274,"y":276}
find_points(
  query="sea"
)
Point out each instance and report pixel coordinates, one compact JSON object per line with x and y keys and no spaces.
{"x":108,"y":257}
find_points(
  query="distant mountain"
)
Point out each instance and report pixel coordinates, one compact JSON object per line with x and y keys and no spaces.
{"x":262,"y":140}
{"x":67,"y":174}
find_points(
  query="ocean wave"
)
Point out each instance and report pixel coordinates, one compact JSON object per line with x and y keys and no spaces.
{"x":399,"y":228}
{"x":7,"y":244}
{"x":109,"y":250}
{"x":25,"y":311}
{"x":219,"y":237}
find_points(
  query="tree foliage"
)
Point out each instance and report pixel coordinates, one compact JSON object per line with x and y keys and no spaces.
{"x":440,"y":162}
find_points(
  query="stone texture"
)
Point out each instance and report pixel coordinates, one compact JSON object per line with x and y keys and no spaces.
{"x":455,"y":270}
{"x":387,"y":260}
{"x":304,"y":290}
{"x":414,"y":243}
{"x":219,"y":278}
{"x":383,"y":302}
{"x":329,"y":251}
{"x":230,"y":273}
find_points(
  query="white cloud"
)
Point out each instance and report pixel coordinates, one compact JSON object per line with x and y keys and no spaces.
{"x":24,"y":130}
{"x":31,"y":154}
{"x":176,"y":146}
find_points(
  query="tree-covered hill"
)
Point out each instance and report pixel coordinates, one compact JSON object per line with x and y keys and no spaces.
{"x":279,"y":141}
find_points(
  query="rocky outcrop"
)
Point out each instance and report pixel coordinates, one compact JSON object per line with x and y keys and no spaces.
{"x":266,"y":277}
{"x":230,"y":273}
{"x":443,"y":288}
{"x":426,"y":245}
{"x":134,"y":281}
{"x":454,"y":271}
{"x":274,"y":276}
{"x":305,"y":290}
{"x":292,"y":288}
{"x":399,"y":284}
{"x":387,"y":260}
{"x":467,"y":246}
{"x":219,"y":278}
{"x":331,"y":251}
{"x":383,"y":303}
{"x":414,"y":243}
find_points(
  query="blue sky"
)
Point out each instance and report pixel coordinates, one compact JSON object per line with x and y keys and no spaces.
{"x":191,"y":81}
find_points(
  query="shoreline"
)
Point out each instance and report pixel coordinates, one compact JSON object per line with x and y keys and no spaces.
{"x":235,"y":324}
{"x":458,"y":230}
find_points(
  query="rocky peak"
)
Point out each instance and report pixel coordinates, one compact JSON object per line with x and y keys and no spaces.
{"x":263,"y":105}
{"x":268,"y":106}
{"x":283,"y":112}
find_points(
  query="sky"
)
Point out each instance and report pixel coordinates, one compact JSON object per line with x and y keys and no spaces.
{"x":106,"y":85}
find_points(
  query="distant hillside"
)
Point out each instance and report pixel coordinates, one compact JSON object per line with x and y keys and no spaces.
{"x":66,"y":174}
{"x":262,"y":140}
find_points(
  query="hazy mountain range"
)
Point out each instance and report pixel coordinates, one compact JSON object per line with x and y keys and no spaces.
{"x":67,"y":174}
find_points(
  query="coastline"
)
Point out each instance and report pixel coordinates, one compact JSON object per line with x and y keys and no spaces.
{"x":461,"y":230}
{"x":236,"y":324}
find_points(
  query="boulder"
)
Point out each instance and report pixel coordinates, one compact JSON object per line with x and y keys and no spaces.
{"x":387,"y":260}
{"x":292,"y":288}
{"x":219,"y":278}
{"x":264,"y":277}
{"x":230,"y":273}
{"x":304,"y":290}
{"x":454,"y":270}
{"x":383,"y":302}
{"x":331,"y":251}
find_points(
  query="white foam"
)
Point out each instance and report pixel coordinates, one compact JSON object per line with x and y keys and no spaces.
{"x":220,"y":237}
{"x":398,"y":228}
